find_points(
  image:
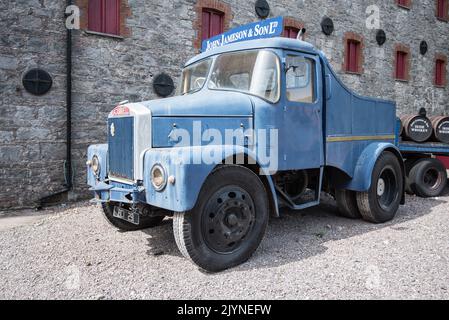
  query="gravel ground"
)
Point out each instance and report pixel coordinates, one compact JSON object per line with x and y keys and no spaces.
{"x":72,"y":253}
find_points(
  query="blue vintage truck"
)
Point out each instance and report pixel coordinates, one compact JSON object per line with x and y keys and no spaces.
{"x":256,"y":125}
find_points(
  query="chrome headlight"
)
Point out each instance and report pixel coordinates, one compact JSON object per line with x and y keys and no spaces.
{"x":158,"y":177}
{"x":95,"y":165}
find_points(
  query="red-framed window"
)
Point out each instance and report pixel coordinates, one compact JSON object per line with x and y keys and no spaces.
{"x":353,"y":53}
{"x":401,"y":65}
{"x":291,"y":32}
{"x":440,"y":72}
{"x":404,"y":3}
{"x":104,"y":16}
{"x":212,"y":23}
{"x":442,"y":9}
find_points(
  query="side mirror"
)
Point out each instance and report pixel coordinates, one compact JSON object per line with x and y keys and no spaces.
{"x":298,"y":65}
{"x":293,"y":62}
{"x":298,"y":71}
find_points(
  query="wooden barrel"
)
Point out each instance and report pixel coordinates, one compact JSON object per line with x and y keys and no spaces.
{"x":417,"y":128}
{"x":441,"y":128}
{"x":400,"y":126}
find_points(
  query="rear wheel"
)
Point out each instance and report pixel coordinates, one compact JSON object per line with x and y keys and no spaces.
{"x":381,"y":202}
{"x":428,"y":178}
{"x":145,"y":221}
{"x":347,"y":204}
{"x":228,"y":222}
{"x":409,"y":164}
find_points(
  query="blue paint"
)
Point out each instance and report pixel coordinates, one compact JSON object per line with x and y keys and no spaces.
{"x":190,"y":176}
{"x":303,"y":128}
{"x":167,"y":135}
{"x":361,"y":178}
{"x":121,"y":142}
{"x":259,"y":30}
{"x":101,"y":151}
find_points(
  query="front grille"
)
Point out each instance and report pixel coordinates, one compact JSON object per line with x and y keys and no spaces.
{"x":121,"y":147}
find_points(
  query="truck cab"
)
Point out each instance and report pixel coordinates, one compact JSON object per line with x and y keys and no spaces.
{"x":256,"y":126}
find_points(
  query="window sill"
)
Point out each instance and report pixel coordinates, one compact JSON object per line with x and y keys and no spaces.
{"x":402,"y":80}
{"x":404,"y":7}
{"x":443,"y":19}
{"x":440,"y":86}
{"x":354,"y":73}
{"x":107,"y":35}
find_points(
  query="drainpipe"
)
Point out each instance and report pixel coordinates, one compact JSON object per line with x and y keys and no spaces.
{"x":68,"y":186}
{"x":68,"y":171}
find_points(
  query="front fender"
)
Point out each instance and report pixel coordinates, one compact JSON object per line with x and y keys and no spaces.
{"x":189,"y":169}
{"x":101,"y":151}
{"x":361,"y":180}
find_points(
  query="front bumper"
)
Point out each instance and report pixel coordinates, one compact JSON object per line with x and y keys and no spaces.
{"x":184,"y":165}
{"x":110,"y":191}
{"x":181,"y":195}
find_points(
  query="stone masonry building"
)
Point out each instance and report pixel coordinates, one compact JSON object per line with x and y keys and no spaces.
{"x":121,"y":46}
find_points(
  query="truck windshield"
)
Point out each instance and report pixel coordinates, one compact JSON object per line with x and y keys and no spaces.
{"x":254,"y":72}
{"x":194,"y":76}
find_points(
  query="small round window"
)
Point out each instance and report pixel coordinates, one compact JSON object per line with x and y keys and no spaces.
{"x":37,"y":82}
{"x":163,"y":85}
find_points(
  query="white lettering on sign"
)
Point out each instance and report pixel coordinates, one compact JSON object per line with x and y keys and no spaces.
{"x":263,"y":29}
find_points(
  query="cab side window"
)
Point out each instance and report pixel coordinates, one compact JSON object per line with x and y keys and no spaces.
{"x":300,"y":79}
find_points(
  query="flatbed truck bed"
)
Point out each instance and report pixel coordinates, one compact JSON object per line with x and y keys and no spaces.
{"x":434,"y":148}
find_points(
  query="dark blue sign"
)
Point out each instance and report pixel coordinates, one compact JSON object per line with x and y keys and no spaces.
{"x":263,"y":29}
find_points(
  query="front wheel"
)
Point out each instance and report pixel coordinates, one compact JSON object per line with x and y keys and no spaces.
{"x":381,"y":202}
{"x":228,"y":222}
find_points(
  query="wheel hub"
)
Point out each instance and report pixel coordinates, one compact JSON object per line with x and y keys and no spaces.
{"x":228,"y":220}
{"x":232,"y":220}
{"x":380,"y":187}
{"x":387,"y":188}
{"x":432,"y":178}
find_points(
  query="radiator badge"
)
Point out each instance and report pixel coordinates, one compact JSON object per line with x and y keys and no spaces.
{"x":112,"y":130}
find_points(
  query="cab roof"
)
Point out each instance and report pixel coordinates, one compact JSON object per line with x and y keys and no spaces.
{"x":276,"y":43}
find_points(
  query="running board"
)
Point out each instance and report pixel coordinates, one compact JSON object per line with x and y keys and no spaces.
{"x":292,"y":205}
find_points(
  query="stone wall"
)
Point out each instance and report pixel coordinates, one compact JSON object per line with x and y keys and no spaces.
{"x":160,"y":37}
{"x":32,"y":129}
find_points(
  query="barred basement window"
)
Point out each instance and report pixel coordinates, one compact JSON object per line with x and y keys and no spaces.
{"x":352,"y":56}
{"x":104,"y":16}
{"x":442,"y":10}
{"x":401,"y":65}
{"x":291,"y":32}
{"x":440,"y":72}
{"x":404,"y":3}
{"x":292,"y":27}
{"x":212,"y":24}
{"x":212,"y":18}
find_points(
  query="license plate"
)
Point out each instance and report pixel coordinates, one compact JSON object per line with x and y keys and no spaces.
{"x":126,"y":215}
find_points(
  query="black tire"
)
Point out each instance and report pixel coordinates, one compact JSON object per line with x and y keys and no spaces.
{"x":228,"y":222}
{"x":428,"y":178}
{"x":408,"y":164}
{"x":145,"y":222}
{"x":381,"y":202}
{"x":347,"y":204}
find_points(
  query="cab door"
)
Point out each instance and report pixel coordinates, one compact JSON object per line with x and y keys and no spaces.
{"x":302,"y":129}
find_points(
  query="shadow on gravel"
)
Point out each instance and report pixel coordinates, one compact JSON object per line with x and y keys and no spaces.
{"x":161,"y":240}
{"x":298,"y":235}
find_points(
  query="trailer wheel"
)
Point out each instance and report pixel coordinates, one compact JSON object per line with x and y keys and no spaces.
{"x":409,"y":164}
{"x":381,"y":202}
{"x":428,"y":178}
{"x":145,"y":222}
{"x":347,"y":204}
{"x":228,"y":222}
